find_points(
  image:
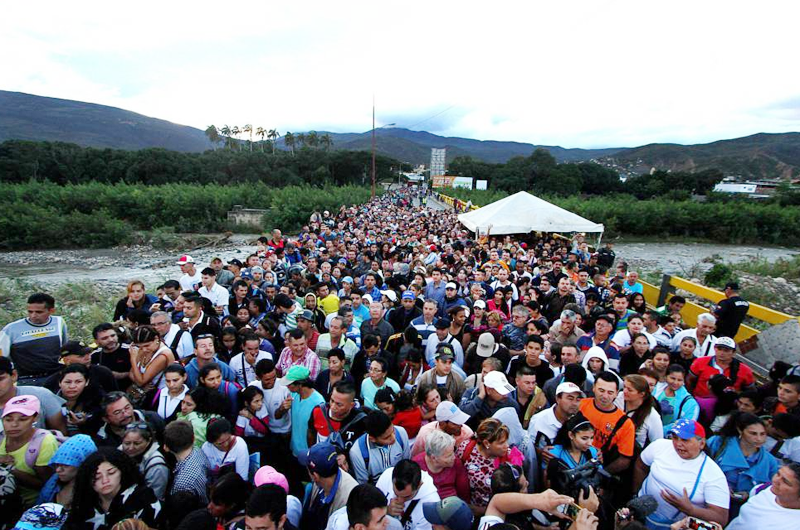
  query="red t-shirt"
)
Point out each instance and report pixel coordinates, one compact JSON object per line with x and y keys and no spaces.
{"x":705,"y":368}
{"x":410,"y":420}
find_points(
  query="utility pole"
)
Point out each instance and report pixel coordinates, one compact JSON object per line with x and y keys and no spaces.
{"x":373,"y":146}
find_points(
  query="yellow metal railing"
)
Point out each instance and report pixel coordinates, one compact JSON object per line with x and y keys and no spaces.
{"x":691,"y":310}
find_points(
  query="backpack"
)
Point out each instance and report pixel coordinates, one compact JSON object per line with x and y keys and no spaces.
{"x":334,"y":436}
{"x":35,"y":444}
{"x":362,"y":445}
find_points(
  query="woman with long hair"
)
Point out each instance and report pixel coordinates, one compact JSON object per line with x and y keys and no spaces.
{"x":199,"y":406}
{"x":487,"y":450}
{"x":640,"y":406}
{"x":81,"y":409}
{"x":135,"y":298}
{"x":499,"y":305}
{"x":139,"y":443}
{"x":637,"y":303}
{"x":428,"y":398}
{"x":636,"y":355}
{"x":739,"y":451}
{"x":149,"y":357}
{"x":572,"y":448}
{"x":676,"y":403}
{"x":108,"y":489}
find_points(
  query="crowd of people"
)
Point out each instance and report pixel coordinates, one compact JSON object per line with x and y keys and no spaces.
{"x":384,"y":368}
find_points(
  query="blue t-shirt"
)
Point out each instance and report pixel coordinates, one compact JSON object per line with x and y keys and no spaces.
{"x":560,"y":452}
{"x":368,"y":390}
{"x":301,"y":412}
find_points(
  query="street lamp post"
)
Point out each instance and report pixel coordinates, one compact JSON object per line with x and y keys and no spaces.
{"x":373,"y":147}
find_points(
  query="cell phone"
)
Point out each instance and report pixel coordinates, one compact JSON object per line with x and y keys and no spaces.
{"x":571,"y":510}
{"x":699,"y":524}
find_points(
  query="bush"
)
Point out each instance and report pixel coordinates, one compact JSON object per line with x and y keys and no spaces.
{"x":718,"y":275}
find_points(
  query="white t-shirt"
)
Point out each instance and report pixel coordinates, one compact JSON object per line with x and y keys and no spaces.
{"x":238,"y":455}
{"x":427,"y":493}
{"x":244,"y":423}
{"x":218,"y":295}
{"x":622,"y":339}
{"x":762,"y":508}
{"x":185,"y":346}
{"x":488,"y":521}
{"x":668,"y":471}
{"x":167,"y":404}
{"x":245,"y":372}
{"x":273,"y":398}
{"x":543,"y":427}
{"x":651,"y":430}
{"x":790,"y":449}
{"x":191,"y":283}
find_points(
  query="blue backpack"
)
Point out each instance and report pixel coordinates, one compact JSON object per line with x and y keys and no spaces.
{"x":362,"y":445}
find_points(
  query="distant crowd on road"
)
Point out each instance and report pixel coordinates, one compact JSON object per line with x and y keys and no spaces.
{"x":383,"y":368}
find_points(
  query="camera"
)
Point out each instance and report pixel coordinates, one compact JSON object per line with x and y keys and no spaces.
{"x":580,"y":479}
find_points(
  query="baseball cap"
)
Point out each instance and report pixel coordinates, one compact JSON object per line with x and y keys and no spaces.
{"x":409,"y":295}
{"x":450,"y":285}
{"x":246,"y":275}
{"x":256,"y":269}
{"x":270,"y":475}
{"x":486,"y":344}
{"x":497,"y":381}
{"x":347,"y":279}
{"x":236,"y":262}
{"x":307,"y":314}
{"x":479,"y":303}
{"x":451,"y":512}
{"x":448,"y":411}
{"x":26,"y":405}
{"x":295,"y":374}
{"x":367,"y":299}
{"x":442,"y":323}
{"x":444,"y":350}
{"x":183,"y":260}
{"x":686,"y":429}
{"x":320,"y":458}
{"x":725,"y":342}
{"x":74,"y":347}
{"x":568,"y":388}
{"x":342,"y":261}
{"x":391,"y":295}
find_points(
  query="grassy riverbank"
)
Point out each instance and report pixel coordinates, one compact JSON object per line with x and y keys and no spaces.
{"x":44,"y":215}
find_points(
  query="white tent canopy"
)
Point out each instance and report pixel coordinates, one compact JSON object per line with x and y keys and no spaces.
{"x":522,"y":213}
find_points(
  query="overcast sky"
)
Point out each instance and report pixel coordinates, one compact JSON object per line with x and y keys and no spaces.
{"x":569,"y":73}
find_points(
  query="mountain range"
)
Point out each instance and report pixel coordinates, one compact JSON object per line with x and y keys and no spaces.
{"x":37,"y":118}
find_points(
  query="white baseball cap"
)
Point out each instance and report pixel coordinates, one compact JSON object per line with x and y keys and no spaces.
{"x":391,"y":295}
{"x":568,"y":388}
{"x":448,"y":411}
{"x":486,"y":345}
{"x":183,"y":260}
{"x":726,"y":342}
{"x":497,"y":381}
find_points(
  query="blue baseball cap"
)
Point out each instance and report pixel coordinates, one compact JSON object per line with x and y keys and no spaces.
{"x":409,"y":295}
{"x":451,"y":512}
{"x":687,"y":429}
{"x":347,"y":279}
{"x":320,"y":458}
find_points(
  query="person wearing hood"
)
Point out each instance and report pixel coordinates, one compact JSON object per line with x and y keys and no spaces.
{"x":66,"y":461}
{"x":519,"y":437}
{"x":596,"y":362}
{"x":407,"y":488}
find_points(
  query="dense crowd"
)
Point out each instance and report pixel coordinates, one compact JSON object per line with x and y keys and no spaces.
{"x":384,"y":368}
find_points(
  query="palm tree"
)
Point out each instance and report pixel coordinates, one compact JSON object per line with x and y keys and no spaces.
{"x":226,"y":132}
{"x":300,"y":138}
{"x":236,"y":131}
{"x":213,"y":136}
{"x":312,"y":138}
{"x":261,"y":131}
{"x":289,"y":139}
{"x":249,"y":129}
{"x":273,"y":135}
{"x":327,"y":141}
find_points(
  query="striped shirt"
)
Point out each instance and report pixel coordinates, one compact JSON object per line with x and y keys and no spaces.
{"x":425,"y":330}
{"x":35,"y":349}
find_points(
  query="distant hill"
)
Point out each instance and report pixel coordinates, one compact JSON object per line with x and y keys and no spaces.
{"x":758,"y":156}
{"x":415,"y":146}
{"x":27,"y":117}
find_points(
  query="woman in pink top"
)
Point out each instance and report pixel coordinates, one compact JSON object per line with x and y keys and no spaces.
{"x":439,"y":460}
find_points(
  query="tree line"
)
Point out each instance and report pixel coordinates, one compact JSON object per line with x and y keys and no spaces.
{"x":65,"y":163}
{"x":230,"y":138}
{"x":541,"y":173}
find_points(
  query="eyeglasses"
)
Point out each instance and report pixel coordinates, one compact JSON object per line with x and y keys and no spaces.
{"x":138,"y":426}
{"x":159,"y":323}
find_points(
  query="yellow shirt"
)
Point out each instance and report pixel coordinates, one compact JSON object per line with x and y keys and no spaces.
{"x":46,"y":452}
{"x":329,"y":304}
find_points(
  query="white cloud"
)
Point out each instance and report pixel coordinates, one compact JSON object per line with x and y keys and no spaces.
{"x":577,"y":74}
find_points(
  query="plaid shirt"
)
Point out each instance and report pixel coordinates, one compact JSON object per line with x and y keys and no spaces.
{"x":309,"y":360}
{"x":191,"y":474}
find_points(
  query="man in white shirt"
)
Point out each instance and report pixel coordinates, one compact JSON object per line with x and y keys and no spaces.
{"x":545,"y":425}
{"x":218,"y":295}
{"x":703,"y":333}
{"x":178,"y":340}
{"x":777,"y":505}
{"x":406,"y":488}
{"x":191,"y":279}
{"x":244,"y":364}
{"x":443,"y":335}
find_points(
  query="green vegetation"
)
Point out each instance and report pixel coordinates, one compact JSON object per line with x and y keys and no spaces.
{"x":782,"y":268}
{"x":723,"y":222}
{"x":46,"y":215}
{"x":82,"y":304}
